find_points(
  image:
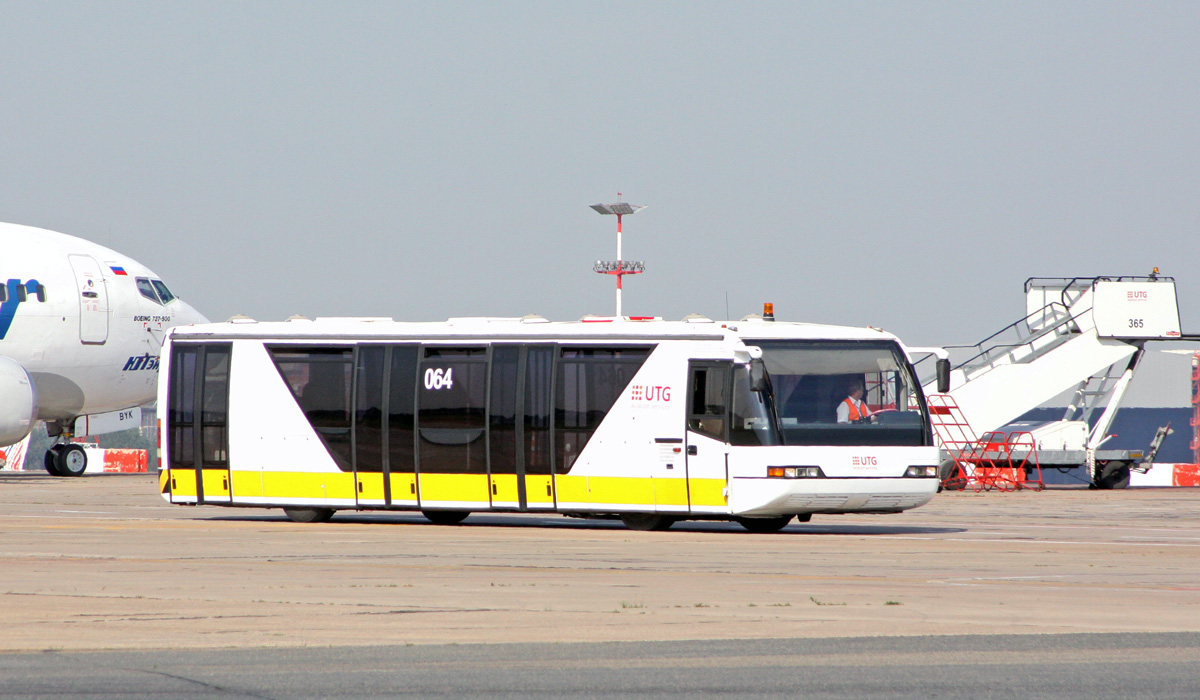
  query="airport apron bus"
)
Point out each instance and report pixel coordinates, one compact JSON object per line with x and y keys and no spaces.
{"x":647,"y":420}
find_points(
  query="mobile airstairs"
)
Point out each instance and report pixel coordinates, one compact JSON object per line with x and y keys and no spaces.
{"x":1085,"y":334}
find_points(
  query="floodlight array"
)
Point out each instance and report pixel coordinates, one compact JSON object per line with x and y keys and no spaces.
{"x":630,"y":267}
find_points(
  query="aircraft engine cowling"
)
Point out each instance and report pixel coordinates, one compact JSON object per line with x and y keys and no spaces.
{"x":18,"y":402}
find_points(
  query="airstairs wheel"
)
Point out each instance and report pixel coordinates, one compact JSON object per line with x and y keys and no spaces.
{"x":647,"y":521}
{"x":70,"y":460}
{"x":1114,"y":475}
{"x":309,"y":515}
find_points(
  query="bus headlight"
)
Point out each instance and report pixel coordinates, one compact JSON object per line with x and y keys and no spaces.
{"x":795,"y":472}
{"x":922,"y":472}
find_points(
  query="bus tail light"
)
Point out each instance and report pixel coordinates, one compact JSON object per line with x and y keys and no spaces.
{"x":795,"y":472}
{"x":921,"y":472}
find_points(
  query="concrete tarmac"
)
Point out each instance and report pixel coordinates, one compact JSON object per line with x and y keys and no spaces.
{"x":103,"y":563}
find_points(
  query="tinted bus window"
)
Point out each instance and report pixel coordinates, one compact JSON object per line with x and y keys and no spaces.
{"x":401,"y":415}
{"x":538,"y":374}
{"x":214,"y":414}
{"x":320,"y":380}
{"x":502,"y":413}
{"x":182,"y":406}
{"x":368,"y":409}
{"x":451,"y":415}
{"x":589,"y":381}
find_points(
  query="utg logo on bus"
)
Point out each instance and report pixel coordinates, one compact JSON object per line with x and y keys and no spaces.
{"x":651,"y":395}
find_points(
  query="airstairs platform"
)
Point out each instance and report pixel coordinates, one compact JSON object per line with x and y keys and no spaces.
{"x":1084,"y":335}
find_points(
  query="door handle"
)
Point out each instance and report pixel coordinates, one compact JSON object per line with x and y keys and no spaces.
{"x":691,"y":449}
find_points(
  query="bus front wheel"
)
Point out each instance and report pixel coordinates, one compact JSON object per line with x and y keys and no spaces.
{"x":647,"y":521}
{"x":765,"y":525}
{"x":309,"y":515}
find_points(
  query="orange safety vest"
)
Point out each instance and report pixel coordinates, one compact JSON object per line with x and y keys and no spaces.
{"x":855,"y":413}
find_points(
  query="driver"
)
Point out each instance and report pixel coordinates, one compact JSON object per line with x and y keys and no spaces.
{"x":852,"y":409}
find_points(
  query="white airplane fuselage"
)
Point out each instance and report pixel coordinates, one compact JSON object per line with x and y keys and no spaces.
{"x":85,"y":322}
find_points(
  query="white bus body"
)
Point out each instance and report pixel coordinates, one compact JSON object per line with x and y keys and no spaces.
{"x":649,"y":420}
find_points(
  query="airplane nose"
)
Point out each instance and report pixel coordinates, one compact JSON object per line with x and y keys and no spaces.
{"x":189,"y":315}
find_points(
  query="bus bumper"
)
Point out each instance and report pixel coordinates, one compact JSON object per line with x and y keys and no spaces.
{"x":774,"y":496}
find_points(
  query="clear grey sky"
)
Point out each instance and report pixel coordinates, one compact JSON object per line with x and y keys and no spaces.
{"x":904,"y":165}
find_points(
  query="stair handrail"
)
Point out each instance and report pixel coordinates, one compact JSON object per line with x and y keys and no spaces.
{"x":1055,"y":329}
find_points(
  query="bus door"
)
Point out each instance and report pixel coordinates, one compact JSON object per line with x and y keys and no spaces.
{"x":370,"y":403}
{"x":198,"y":423}
{"x":536,"y":441}
{"x":452,"y":428}
{"x":706,"y":443}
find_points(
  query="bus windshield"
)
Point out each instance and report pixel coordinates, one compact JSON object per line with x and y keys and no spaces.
{"x":844,"y":393}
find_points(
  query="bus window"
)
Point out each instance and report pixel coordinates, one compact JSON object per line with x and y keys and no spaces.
{"x":708,"y":399}
{"x":589,"y":382}
{"x":810,"y":379}
{"x":320,"y":378}
{"x":538,"y":366}
{"x":752,"y":421}
{"x":368,"y":409}
{"x":182,"y":406}
{"x":214,"y":414}
{"x":451,"y":415}
{"x":502,"y":413}
{"x":401,"y":415}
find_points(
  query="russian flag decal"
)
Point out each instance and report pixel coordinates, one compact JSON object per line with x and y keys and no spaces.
{"x":118,"y":270}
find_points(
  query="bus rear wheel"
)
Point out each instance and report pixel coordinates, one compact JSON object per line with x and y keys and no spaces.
{"x":309,"y":515}
{"x":445,"y":517}
{"x":647,"y":521}
{"x":765,"y":525}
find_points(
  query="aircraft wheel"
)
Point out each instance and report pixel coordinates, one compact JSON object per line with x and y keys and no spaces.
{"x":764,"y":525}
{"x":71,"y":460}
{"x":647,"y":521}
{"x":445,"y":517}
{"x":51,"y":461}
{"x":309,"y":515}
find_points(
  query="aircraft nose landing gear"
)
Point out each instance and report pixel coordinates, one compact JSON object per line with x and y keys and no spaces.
{"x":66,"y":460}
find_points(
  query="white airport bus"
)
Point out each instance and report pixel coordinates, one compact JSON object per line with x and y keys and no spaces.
{"x":642,"y":419}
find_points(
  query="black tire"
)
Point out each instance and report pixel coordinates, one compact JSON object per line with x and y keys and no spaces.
{"x":309,"y":515}
{"x":71,"y":460}
{"x":765,"y":525}
{"x":1114,"y":475}
{"x":51,"y":461}
{"x":445,"y":517}
{"x":652,"y":522}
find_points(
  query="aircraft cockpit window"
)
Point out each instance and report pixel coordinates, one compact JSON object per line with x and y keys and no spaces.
{"x":3,"y":294}
{"x":163,"y":292}
{"x":147,"y":290}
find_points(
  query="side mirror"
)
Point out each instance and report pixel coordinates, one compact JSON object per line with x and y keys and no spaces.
{"x":943,"y":376}
{"x":758,"y":376}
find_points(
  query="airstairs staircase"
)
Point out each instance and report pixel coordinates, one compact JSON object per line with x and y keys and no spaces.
{"x":1081,"y":334}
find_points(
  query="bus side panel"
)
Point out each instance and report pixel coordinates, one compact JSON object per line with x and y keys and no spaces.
{"x":634,"y":492}
{"x":370,"y":488}
{"x":504,"y":491}
{"x":183,"y":485}
{"x":539,"y":491}
{"x":404,"y":488}
{"x":621,"y":460}
{"x":271,"y":440}
{"x":454,"y":491}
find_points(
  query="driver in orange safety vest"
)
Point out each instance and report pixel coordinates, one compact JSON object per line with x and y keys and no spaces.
{"x":852,"y":409}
